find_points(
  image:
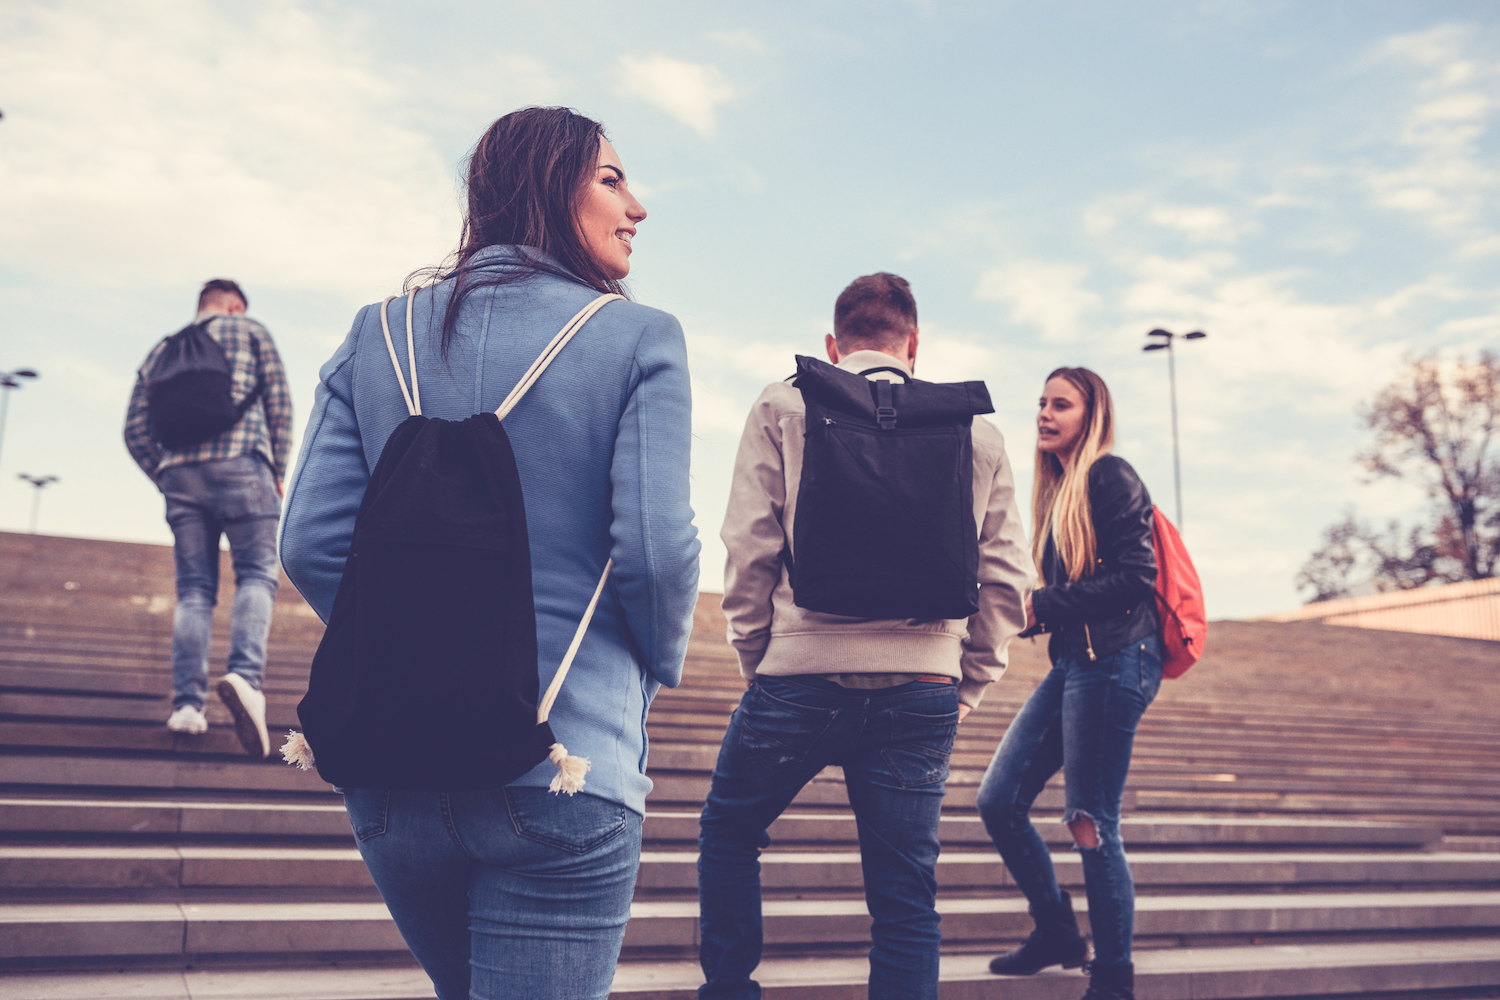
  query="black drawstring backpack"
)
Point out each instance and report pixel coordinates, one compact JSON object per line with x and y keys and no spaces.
{"x":426,"y":677}
{"x":884,"y":523}
{"x":189,"y":398}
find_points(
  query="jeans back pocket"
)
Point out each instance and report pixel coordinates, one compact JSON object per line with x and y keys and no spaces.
{"x":921,"y":746}
{"x":775,"y":731}
{"x":575,"y":823}
{"x":369,"y":811}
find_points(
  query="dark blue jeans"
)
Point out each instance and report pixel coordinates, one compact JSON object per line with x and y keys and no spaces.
{"x":893,"y":745}
{"x":1082,"y":719}
{"x":504,"y":894}
{"x":237,"y":498}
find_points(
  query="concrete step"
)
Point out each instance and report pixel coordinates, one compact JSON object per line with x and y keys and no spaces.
{"x":1148,"y":762}
{"x":125,"y":867}
{"x":984,"y":872}
{"x":66,"y":709}
{"x":1179,"y":974}
{"x":64,"y":930}
{"x":133,"y":720}
{"x":678,"y":788}
{"x":20,"y":815}
{"x":797,"y":828}
{"x":219,"y":741}
{"x":171,"y":932}
{"x":1351,"y":803}
{"x":119,"y":683}
{"x":793,"y":923}
{"x":1358,"y":969}
{"x":1200,"y":973}
{"x":1150,"y":788}
{"x":89,"y":771}
{"x":146,"y":818}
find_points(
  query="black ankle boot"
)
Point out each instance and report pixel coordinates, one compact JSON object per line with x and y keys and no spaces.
{"x":1055,"y":941}
{"x":1110,"y":982}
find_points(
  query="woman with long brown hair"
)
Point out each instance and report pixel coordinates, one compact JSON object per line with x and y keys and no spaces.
{"x":1092,"y":542}
{"x":501,"y":888}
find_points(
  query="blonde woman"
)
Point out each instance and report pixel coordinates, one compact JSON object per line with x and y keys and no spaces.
{"x":1091,"y":539}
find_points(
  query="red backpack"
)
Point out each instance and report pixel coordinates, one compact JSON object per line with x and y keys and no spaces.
{"x":1184,"y":621}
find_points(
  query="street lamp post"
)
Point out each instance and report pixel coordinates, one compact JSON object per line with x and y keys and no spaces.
{"x":1164,"y":342}
{"x":7,"y":383}
{"x":38,"y":483}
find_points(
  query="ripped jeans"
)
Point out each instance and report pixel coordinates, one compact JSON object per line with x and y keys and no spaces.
{"x":1082,"y":719}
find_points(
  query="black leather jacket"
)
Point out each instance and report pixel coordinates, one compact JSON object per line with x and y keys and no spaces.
{"x":1103,"y":613}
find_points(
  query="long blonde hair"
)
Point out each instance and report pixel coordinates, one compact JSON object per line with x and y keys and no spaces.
{"x":1060,"y":496}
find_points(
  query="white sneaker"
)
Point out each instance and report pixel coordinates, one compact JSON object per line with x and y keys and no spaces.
{"x":248,"y":706}
{"x":187,"y":719}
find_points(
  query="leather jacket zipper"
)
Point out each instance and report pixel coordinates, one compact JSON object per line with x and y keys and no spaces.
{"x":1088,"y":642}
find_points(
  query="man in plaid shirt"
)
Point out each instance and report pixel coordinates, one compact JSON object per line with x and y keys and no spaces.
{"x":228,"y":485}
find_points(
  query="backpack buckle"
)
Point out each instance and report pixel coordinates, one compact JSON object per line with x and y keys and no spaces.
{"x":885,"y":411}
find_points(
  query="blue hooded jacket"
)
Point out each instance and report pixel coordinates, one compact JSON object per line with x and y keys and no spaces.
{"x":601,"y":444}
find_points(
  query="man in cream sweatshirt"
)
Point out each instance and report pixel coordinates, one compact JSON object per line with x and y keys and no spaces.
{"x":880,"y":698}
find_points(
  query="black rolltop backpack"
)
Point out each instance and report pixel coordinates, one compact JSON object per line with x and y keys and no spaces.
{"x":884,"y":524}
{"x":426,"y":677}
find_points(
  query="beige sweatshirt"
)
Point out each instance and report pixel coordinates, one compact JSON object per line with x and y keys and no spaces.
{"x":775,"y":637}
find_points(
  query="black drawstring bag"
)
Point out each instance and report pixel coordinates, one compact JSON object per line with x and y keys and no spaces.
{"x":426,"y":677}
{"x":884,"y":523}
{"x":190,"y":398}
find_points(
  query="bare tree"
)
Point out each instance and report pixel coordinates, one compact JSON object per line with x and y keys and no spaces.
{"x":1436,"y":426}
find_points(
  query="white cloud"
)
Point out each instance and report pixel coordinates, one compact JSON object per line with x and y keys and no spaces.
{"x":143,"y":149}
{"x":1449,"y":182}
{"x":1200,"y":224}
{"x":689,"y":92}
{"x":1046,"y":295}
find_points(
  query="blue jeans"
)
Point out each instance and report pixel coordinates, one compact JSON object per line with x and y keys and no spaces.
{"x":1082,"y":719}
{"x":504,"y":893}
{"x":893,"y":745}
{"x":234,"y":497}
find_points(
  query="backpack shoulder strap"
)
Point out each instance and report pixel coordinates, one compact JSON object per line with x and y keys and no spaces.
{"x":250,"y":399}
{"x":527,"y":381}
{"x":551,"y":351}
{"x":414,"y":397}
{"x":571,"y":769}
{"x":544,"y":709}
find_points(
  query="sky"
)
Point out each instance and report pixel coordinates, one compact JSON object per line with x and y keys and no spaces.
{"x":1314,"y":185}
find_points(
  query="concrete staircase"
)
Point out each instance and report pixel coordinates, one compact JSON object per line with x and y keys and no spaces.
{"x":1314,"y":811}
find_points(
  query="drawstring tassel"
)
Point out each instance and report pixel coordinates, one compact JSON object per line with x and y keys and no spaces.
{"x":296,"y":750}
{"x":570,"y":770}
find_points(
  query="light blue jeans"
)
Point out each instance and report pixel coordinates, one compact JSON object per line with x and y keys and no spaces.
{"x":504,"y":894}
{"x":1082,"y":719}
{"x":235,"y":497}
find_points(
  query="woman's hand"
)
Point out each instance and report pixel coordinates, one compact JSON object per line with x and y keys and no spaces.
{"x":963,"y":711}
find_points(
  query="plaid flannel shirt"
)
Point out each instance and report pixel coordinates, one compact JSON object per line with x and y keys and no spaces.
{"x":266,"y":427}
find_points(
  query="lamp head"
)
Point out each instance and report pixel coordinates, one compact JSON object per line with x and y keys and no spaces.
{"x":1160,"y":333}
{"x":1196,"y":335}
{"x":1154,"y":347}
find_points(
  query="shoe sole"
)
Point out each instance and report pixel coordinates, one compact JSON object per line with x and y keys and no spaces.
{"x":1032,"y":972}
{"x":1069,"y":964}
{"x":244,"y":726}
